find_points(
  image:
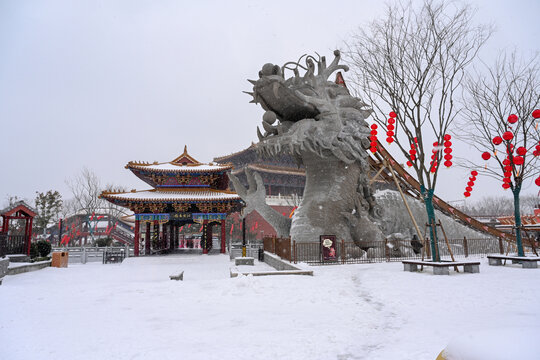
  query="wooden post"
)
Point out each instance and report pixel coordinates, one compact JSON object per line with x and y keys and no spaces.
{"x":294,"y":250}
{"x":501,"y":247}
{"x":147,"y":239}
{"x":465,"y":247}
{"x":386,"y":252}
{"x":136,"y":239}
{"x":223,"y":237}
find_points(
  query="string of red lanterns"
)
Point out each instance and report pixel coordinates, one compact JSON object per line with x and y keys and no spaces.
{"x":373,"y":138}
{"x":413,"y":152}
{"x":470,"y":184}
{"x":447,"y":150}
{"x":390,"y":127}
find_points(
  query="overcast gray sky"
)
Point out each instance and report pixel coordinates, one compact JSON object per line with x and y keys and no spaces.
{"x":99,"y":83}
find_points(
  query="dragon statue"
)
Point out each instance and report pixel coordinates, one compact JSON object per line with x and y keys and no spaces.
{"x":323,"y":127}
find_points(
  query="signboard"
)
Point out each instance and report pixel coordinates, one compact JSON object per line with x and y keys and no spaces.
{"x":328,"y":247}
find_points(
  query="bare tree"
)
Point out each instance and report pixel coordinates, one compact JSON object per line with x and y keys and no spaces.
{"x":498,"y":122}
{"x":412,"y":62}
{"x":86,"y":189}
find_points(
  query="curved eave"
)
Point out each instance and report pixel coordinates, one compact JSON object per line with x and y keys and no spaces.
{"x":179,"y":169}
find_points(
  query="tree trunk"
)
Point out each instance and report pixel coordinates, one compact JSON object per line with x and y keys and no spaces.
{"x":517,"y":220}
{"x":428,"y":201}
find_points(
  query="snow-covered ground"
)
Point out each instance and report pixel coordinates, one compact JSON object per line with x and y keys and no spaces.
{"x":367,"y":311}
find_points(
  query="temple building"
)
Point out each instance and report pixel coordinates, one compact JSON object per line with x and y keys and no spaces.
{"x":184,"y":191}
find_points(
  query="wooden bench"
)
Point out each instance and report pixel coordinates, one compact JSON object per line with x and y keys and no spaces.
{"x":527,"y":262}
{"x":177,"y":277}
{"x":441,"y":268}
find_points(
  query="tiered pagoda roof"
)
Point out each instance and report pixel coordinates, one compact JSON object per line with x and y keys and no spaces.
{"x":181,"y":185}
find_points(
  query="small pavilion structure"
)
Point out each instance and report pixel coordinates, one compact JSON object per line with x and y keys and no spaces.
{"x":184,"y":191}
{"x":16,"y":240}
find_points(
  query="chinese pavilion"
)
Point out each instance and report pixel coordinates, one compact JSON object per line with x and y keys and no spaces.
{"x":184,"y":191}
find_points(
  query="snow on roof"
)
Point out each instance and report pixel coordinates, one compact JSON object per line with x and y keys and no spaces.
{"x":173,"y":167}
{"x":176,"y":195}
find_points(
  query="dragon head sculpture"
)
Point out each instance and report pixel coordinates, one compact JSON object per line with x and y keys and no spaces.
{"x":310,"y":113}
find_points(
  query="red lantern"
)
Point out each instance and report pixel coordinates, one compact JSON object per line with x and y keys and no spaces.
{"x":412,"y":152}
{"x":512,"y":119}
{"x":518,"y":160}
{"x":448,"y":157}
{"x":472,"y":178}
{"x":391,"y":121}
{"x":521,"y":151}
{"x":486,"y":155}
{"x":447,"y":163}
{"x":467,"y":194}
{"x":468,"y":188}
{"x":392,"y":114}
{"x":412,"y":157}
{"x":536,"y":153}
{"x":474,"y":173}
{"x":435,"y":144}
{"x":374,"y":126}
{"x":389,"y":140}
{"x":447,"y":144}
{"x":507,"y":180}
{"x":447,"y":151}
{"x":389,"y":133}
{"x":507,"y":168}
{"x":536,"y":115}
{"x":470,"y":183}
{"x":507,"y":174}
{"x":373,"y":150}
{"x":409,"y":164}
{"x":433,"y":157}
{"x":390,"y":127}
{"x":537,"y":181}
{"x":508,"y":135}
{"x":506,"y":161}
{"x":447,"y":137}
{"x":497,"y":140}
{"x":373,"y":138}
{"x":505,"y":186}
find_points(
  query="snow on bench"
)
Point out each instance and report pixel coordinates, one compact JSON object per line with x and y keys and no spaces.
{"x":441,"y":268}
{"x":527,"y":262}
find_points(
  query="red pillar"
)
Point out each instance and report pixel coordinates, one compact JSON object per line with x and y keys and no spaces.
{"x":147,"y":241}
{"x":28,"y":234}
{"x":223,"y":234}
{"x":136,"y":239}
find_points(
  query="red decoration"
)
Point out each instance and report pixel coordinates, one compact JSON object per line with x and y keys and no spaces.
{"x":390,"y":133}
{"x":474,"y":173}
{"x":470,"y":183}
{"x":506,"y":185}
{"x":391,"y":121}
{"x":447,"y":163}
{"x":373,"y":132}
{"x":435,"y":144}
{"x":447,"y":151}
{"x":412,"y":157}
{"x":392,"y":114}
{"x":409,"y":164}
{"x":507,"y":168}
{"x":448,"y":157}
{"x":507,"y":180}
{"x":521,"y":151}
{"x":537,"y":181}
{"x":518,"y":160}
{"x":506,"y":161}
{"x":447,"y":137}
{"x":373,"y":138}
{"x":512,"y":119}
{"x":390,"y":127}
{"x":497,"y":140}
{"x":389,"y":140}
{"x":508,"y":135}
{"x":536,"y":115}
{"x":374,"y":126}
{"x":486,"y":155}
{"x":467,"y":194}
{"x":468,"y":188}
{"x":412,"y":152}
{"x":507,"y":174}
{"x":447,"y":144}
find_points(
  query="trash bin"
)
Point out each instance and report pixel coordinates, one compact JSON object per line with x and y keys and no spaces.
{"x":261,"y":254}
{"x":60,"y":259}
